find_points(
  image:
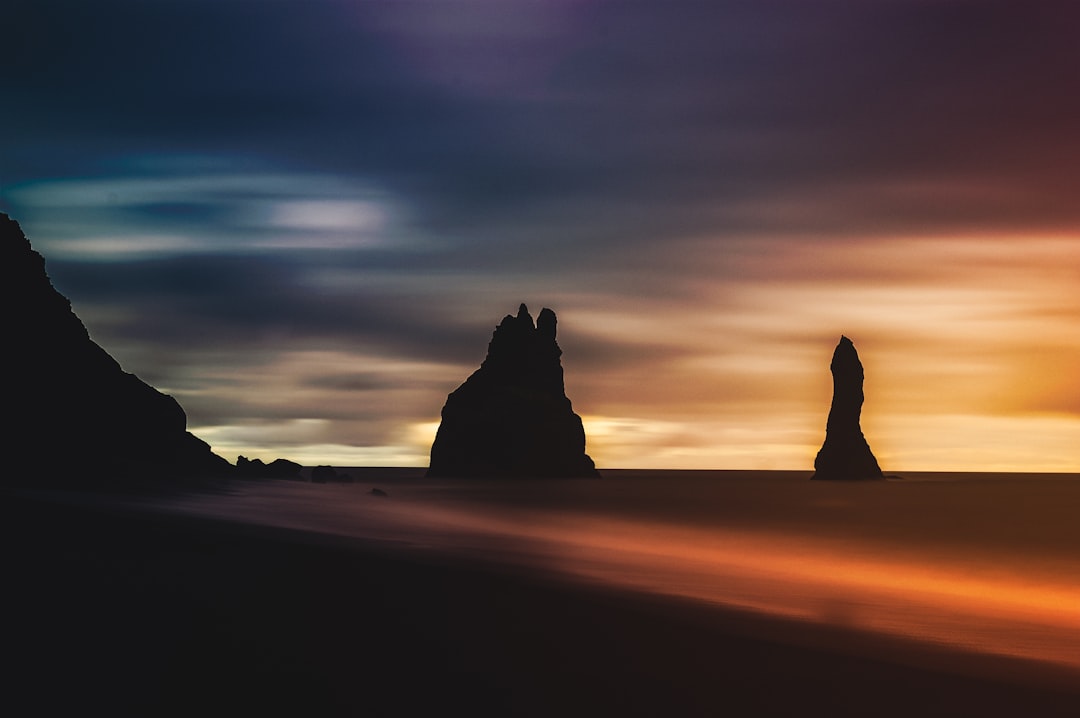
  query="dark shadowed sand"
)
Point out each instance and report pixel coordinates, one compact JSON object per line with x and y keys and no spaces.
{"x":536,"y":600}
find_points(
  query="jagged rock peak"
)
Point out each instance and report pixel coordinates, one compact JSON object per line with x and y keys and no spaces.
{"x":845,"y":453}
{"x":547,"y":323}
{"x":512,"y":417}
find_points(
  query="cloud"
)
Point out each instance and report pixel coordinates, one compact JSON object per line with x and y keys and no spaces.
{"x":606,"y":125}
{"x":707,"y":194}
{"x":166,"y":210}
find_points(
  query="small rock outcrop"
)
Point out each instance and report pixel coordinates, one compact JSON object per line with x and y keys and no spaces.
{"x":276,"y":469}
{"x":73,"y":416}
{"x":511,"y":417}
{"x":325,"y":474}
{"x":845,"y":454}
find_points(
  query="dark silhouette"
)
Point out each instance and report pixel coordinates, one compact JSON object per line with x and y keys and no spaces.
{"x":276,"y":469}
{"x":72,"y":414}
{"x":512,"y":417}
{"x":324,"y":474}
{"x":200,"y":616}
{"x":845,"y":454}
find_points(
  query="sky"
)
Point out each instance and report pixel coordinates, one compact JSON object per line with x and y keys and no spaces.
{"x":304,"y":218}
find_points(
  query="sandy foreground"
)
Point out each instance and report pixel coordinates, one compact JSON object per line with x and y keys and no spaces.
{"x":132,"y":610}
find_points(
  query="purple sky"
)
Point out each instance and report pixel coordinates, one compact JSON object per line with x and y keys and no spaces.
{"x":304,"y":218}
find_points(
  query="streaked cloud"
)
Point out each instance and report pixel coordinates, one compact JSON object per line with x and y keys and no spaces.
{"x":121,"y":216}
{"x":305,"y":219}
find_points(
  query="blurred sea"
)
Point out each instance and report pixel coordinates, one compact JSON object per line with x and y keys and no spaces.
{"x":986,"y":562}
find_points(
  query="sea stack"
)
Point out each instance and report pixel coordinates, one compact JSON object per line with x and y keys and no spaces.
{"x":511,"y":418}
{"x":74,"y":417}
{"x":845,"y":454}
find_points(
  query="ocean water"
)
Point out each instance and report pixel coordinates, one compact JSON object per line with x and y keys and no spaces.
{"x":986,"y":562}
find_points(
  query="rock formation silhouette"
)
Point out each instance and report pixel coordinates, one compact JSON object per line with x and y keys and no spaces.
{"x":845,"y":453}
{"x":73,"y":416}
{"x":328,"y":474}
{"x":511,"y":417}
{"x":276,"y":469}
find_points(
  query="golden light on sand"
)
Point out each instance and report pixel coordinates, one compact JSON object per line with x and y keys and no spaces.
{"x":813,"y":579}
{"x":930,"y":561}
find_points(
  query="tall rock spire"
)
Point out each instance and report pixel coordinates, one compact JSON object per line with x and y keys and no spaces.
{"x":845,"y":453}
{"x":511,"y":417}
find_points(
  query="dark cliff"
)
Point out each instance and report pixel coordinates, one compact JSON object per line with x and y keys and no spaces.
{"x":845,"y":453}
{"x":512,"y":417}
{"x":73,"y":416}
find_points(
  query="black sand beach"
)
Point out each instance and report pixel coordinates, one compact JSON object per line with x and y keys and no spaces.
{"x":126,"y":612}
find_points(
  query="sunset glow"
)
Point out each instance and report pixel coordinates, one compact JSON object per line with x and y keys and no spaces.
{"x":310,"y":248}
{"x":931,"y":585}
